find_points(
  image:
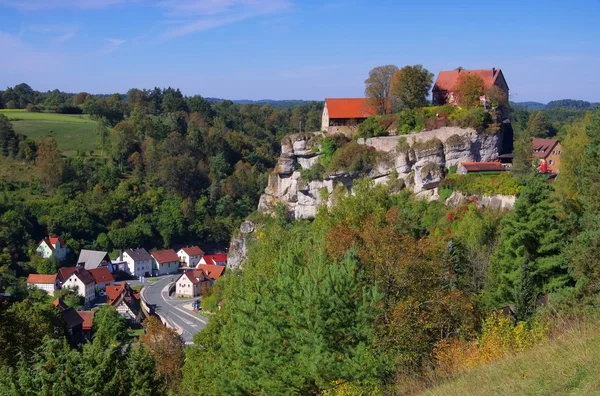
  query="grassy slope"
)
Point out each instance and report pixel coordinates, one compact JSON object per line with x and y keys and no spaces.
{"x":72,"y":132}
{"x":569,"y":365}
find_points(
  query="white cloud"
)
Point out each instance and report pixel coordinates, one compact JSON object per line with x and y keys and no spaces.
{"x":199,"y":15}
{"x":36,"y":5}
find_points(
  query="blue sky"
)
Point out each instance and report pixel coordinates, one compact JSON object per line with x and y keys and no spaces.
{"x":293,"y":49}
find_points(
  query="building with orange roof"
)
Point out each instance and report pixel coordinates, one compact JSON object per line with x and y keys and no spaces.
{"x":479,"y":167}
{"x":548,"y":151}
{"x":52,"y":246}
{"x":126,"y":301}
{"x":165,"y":262}
{"x":445,"y":89}
{"x":190,"y":256}
{"x":47,"y":283}
{"x":102,"y":277}
{"x":342,"y":115}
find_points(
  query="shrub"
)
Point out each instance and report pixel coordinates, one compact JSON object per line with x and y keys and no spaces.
{"x":354,"y":157}
{"x":432,"y":144}
{"x":31,"y":108}
{"x":315,"y":172}
{"x":457,"y":140}
{"x":502,"y":183}
{"x":403,"y":146}
{"x":406,"y":121}
{"x":373,"y":127}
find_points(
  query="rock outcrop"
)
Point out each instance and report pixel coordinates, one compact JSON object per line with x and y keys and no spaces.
{"x":417,"y":161}
{"x":238,"y":249}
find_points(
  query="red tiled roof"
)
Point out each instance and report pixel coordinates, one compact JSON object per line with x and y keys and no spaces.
{"x":213,"y":259}
{"x":88,"y":319}
{"x":212,"y":272}
{"x":543,"y":147}
{"x":165,"y":256}
{"x":41,"y":278}
{"x":52,"y":240}
{"x":84,"y":275}
{"x":191,"y":275}
{"x":482,"y":166}
{"x":102,"y":275}
{"x":193,"y":251}
{"x":349,"y":108}
{"x":113,"y":292}
{"x":447,"y":80}
{"x":64,"y":273}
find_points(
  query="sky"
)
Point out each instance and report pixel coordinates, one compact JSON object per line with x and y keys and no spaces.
{"x":296,"y":49}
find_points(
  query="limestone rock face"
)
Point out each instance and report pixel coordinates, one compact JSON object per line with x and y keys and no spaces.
{"x":484,"y":201}
{"x":418,"y":159}
{"x":238,"y":249}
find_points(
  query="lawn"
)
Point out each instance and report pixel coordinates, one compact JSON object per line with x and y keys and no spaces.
{"x":152,"y":280}
{"x":137,"y":287}
{"x":72,"y":132}
{"x":569,"y":365}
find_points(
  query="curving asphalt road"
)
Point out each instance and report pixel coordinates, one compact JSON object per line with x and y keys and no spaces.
{"x":171,"y":309}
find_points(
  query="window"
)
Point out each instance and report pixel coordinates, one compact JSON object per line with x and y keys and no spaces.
{"x":551,"y":162}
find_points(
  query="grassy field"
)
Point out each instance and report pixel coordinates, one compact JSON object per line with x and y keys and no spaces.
{"x":72,"y":132}
{"x":569,"y":365}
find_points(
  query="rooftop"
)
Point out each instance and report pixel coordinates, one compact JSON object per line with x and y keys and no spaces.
{"x":349,"y":108}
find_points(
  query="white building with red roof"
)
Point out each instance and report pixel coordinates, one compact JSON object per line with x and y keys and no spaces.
{"x":190,"y":256}
{"x":188,"y":285}
{"x":213,"y":259}
{"x":445,"y":89}
{"x":342,"y":115}
{"x":52,"y":246}
{"x":102,"y":277}
{"x":85,"y":283}
{"x":47,"y":283}
{"x":165,"y":262}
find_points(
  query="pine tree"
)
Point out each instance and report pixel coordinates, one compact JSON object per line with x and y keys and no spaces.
{"x":524,"y":292}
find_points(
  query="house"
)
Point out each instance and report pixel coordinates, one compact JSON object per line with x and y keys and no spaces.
{"x":165,"y":262}
{"x":48,"y":283}
{"x":91,"y":259}
{"x":548,"y":151}
{"x":213,"y":259}
{"x":479,"y":167}
{"x":342,"y":115}
{"x":126,"y":301}
{"x":139,"y":262}
{"x":190,"y":256}
{"x":445,"y":88}
{"x":88,"y":321}
{"x":102,"y":277}
{"x":209,"y":272}
{"x":85,"y":283}
{"x":52,"y":246}
{"x":64,"y":274}
{"x":188,"y":285}
{"x":73,"y":322}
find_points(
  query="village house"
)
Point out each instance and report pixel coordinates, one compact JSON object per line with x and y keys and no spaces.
{"x":188,"y":285}
{"x":190,"y":256}
{"x":88,"y":321}
{"x":73,"y":321}
{"x":165,"y":262}
{"x":52,"y":246}
{"x":139,"y":262}
{"x":213,"y":259}
{"x":85,"y":283}
{"x":548,"y":151}
{"x":342,"y":115}
{"x":102,"y":277}
{"x":209,"y":272}
{"x":47,"y":283}
{"x":64,"y":274}
{"x":445,"y":88}
{"x":126,"y":301}
{"x":479,"y":167}
{"x":92,"y":259}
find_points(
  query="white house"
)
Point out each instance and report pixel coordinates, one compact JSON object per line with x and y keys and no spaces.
{"x":85,"y":283}
{"x":190,"y":255}
{"x":47,"y":283}
{"x":52,"y":246}
{"x":139,"y":262}
{"x":125,"y":300}
{"x":188,"y":285}
{"x":165,"y":262}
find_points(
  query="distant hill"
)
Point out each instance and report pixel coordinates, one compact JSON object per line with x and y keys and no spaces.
{"x":276,"y":104}
{"x":556,"y":104}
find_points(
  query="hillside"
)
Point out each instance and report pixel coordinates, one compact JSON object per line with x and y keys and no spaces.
{"x":567,"y":366}
{"x":72,"y":132}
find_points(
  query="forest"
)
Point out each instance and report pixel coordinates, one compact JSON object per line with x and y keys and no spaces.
{"x":380,"y":294}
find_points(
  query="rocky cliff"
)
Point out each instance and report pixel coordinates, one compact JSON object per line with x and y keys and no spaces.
{"x":417,"y":161}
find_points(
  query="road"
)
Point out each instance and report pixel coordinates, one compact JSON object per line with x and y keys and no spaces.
{"x":172,"y":310}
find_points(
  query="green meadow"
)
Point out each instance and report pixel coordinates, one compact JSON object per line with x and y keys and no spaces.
{"x":73,"y":132}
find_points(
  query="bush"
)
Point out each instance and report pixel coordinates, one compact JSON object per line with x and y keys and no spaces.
{"x":315,"y":172}
{"x":502,"y":183}
{"x":354,"y":157}
{"x":403,"y":146}
{"x":31,"y":108}
{"x":374,"y":126}
{"x":457,"y":140}
{"x":432,"y":144}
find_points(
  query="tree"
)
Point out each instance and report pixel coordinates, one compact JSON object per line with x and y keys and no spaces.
{"x":537,"y":125}
{"x":378,"y":87}
{"x":469,"y":88}
{"x":49,"y":162}
{"x":9,"y":141}
{"x":523,"y":154}
{"x":166,"y":347}
{"x":410,"y":86}
{"x":109,"y":327}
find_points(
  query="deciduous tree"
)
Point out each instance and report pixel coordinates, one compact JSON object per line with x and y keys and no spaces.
{"x":470,"y":87}
{"x":49,"y":162}
{"x":378,"y":87}
{"x":166,"y":347}
{"x":410,"y":86}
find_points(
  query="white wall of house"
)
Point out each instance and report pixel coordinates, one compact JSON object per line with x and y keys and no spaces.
{"x":166,"y":268}
{"x":137,"y":268}
{"x":49,"y":288}
{"x":88,"y":292}
{"x":325,"y":119}
{"x":191,"y":261}
{"x":185,"y":288}
{"x":46,"y":252}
